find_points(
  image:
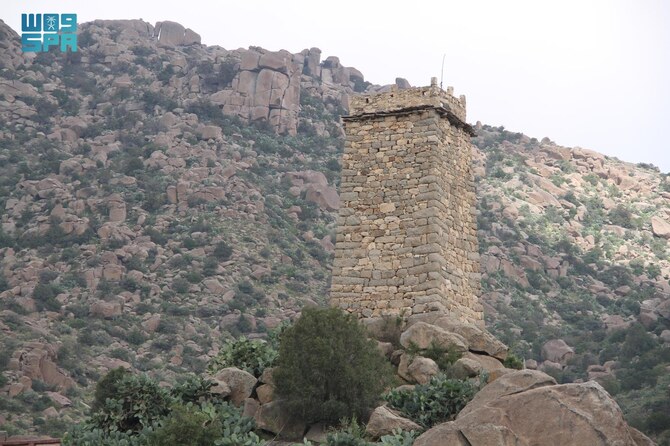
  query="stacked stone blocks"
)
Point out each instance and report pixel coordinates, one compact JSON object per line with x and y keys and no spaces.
{"x":406,"y":238}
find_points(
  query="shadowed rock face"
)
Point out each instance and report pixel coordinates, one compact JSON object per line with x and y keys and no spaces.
{"x":267,"y":87}
{"x":528,"y":408}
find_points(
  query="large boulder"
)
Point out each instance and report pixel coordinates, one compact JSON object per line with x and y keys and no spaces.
{"x":423,"y":335}
{"x":486,"y":363}
{"x":466,"y":368}
{"x":172,"y":34}
{"x":422,"y":369}
{"x":384,"y":421}
{"x":106,"y":310}
{"x":528,"y":408}
{"x":660,"y":227}
{"x":556,"y":350}
{"x":479,"y":340}
{"x":509,"y":384}
{"x":240,"y":382}
{"x":274,"y":418}
{"x":325,"y":197}
{"x":38,"y":362}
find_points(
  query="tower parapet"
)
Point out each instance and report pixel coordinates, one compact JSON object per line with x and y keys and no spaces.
{"x":406,"y":239}
{"x":409,"y":99}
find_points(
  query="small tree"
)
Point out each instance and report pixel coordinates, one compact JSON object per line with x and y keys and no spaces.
{"x":328,"y":369}
{"x":107,"y":387}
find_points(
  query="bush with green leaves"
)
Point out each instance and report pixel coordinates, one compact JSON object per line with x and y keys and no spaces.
{"x":399,"y":437}
{"x":444,"y":357}
{"x":438,"y":401}
{"x":343,"y":438}
{"x":87,"y":435}
{"x":107,"y":387}
{"x":193,"y":389}
{"x":349,"y":433}
{"x":138,"y":403}
{"x":133,"y":410}
{"x":327,"y":369}
{"x":250,"y":355}
{"x":513,"y":362}
{"x":205,"y":425}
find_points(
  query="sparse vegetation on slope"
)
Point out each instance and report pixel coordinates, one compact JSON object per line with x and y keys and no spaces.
{"x":142,"y":227}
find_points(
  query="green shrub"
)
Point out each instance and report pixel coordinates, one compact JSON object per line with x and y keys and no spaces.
{"x":156,"y":236}
{"x":622,"y":216}
{"x":438,"y":401}
{"x":180,"y":285}
{"x":45,"y":297}
{"x":443,"y":357}
{"x":4,"y":283}
{"x":513,"y":362}
{"x":327,"y":369}
{"x":250,"y":355}
{"x":85,"y":434}
{"x":344,"y":439}
{"x":223,"y":251}
{"x":206,"y":425}
{"x":399,"y":438}
{"x":107,"y":387}
{"x":137,"y":403}
{"x":193,"y":389}
{"x":350,"y":433}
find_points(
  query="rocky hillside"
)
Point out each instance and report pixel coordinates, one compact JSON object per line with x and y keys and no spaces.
{"x":158,"y":196}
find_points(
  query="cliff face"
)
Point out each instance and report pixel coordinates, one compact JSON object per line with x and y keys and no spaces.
{"x":254,"y":84}
{"x":157,"y":194}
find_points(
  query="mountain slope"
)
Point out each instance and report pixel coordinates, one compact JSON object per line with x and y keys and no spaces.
{"x":158,"y":195}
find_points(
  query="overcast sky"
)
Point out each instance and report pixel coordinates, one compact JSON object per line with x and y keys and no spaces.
{"x":586,"y":73}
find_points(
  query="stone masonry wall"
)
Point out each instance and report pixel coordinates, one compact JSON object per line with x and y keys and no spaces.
{"x":406,"y":238}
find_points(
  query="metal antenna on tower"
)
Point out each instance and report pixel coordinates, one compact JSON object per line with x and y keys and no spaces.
{"x":442,"y":71}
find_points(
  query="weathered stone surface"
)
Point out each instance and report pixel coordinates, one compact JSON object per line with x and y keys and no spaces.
{"x":241,"y":383}
{"x":37,"y":362}
{"x":510,"y":384}
{"x":526,"y":408}
{"x":214,"y":286}
{"x":406,"y":185}
{"x":57,"y":398}
{"x":266,"y":376}
{"x":488,"y":363}
{"x":220,"y":388}
{"x":324,"y":196}
{"x":485,"y":434}
{"x":660,"y":227}
{"x":422,"y":369}
{"x":209,"y":132}
{"x":384,"y":421}
{"x":105,"y":309}
{"x":172,"y":34}
{"x":151,"y":324}
{"x":466,"y":368}
{"x":423,"y":335}
{"x":273,"y":417}
{"x":250,"y":408}
{"x":556,"y":350}
{"x":267,"y":88}
{"x":265,"y":393}
{"x":479,"y":339}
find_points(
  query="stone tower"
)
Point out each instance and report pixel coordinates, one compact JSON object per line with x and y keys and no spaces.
{"x":406,"y":236}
